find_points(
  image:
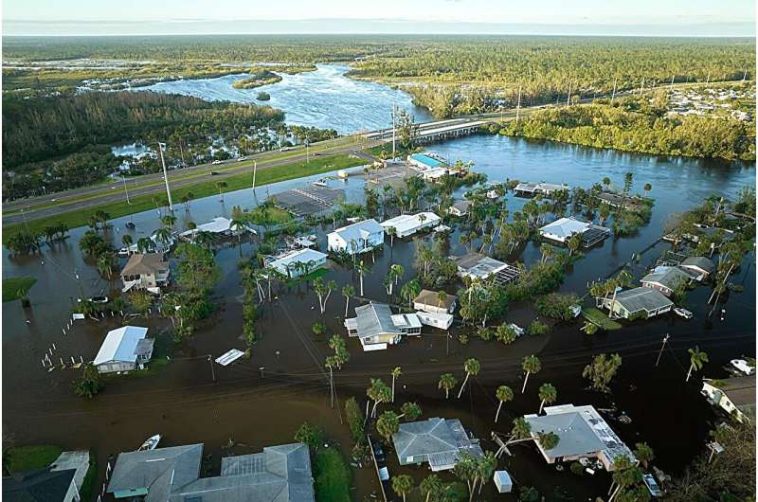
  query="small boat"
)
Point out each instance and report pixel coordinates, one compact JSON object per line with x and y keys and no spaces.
{"x":130,"y":225}
{"x":652,"y":485}
{"x":741,"y":366}
{"x":682,"y":312}
{"x":151,"y":443}
{"x":320,"y":183}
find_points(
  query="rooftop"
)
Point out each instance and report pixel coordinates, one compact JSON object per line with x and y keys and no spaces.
{"x":740,"y":390}
{"x":359,"y":230}
{"x":565,"y":228}
{"x":669,"y":277}
{"x":428,"y":297}
{"x":700,"y":262}
{"x":38,"y":486}
{"x":478,"y":264}
{"x":637,"y":299}
{"x":122,"y":344}
{"x":304,"y":255}
{"x":407,"y":222}
{"x":143,"y":264}
{"x":441,"y":440}
{"x":374,"y":319}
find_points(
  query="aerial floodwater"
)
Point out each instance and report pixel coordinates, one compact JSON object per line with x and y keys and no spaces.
{"x":284,"y":376}
{"x":324,"y":98}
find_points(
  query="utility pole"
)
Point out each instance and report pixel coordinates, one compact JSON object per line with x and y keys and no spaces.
{"x":660,"y":352}
{"x":394,"y":118}
{"x":213,"y":370}
{"x":568,"y":96}
{"x":125,"y":190}
{"x":181,"y":152}
{"x":744,"y":75}
{"x":331,"y":384}
{"x":165,"y":176}
{"x":613,"y":94}
{"x":255,"y":170}
{"x":518,"y":103}
{"x":307,"y":151}
{"x":672,"y":82}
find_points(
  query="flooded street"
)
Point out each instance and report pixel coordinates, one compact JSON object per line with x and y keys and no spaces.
{"x":324,"y":98}
{"x":262,"y":401}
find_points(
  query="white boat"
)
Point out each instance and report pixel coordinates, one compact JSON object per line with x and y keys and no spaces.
{"x":682,"y":312}
{"x":151,"y":443}
{"x":320,"y":183}
{"x":742,"y":366}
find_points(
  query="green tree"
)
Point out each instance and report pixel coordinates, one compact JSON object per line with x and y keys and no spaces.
{"x":601,"y":370}
{"x":530,"y":364}
{"x":89,"y":383}
{"x":547,"y":394}
{"x":396,"y":372}
{"x":310,"y":435}
{"x":503,"y":395}
{"x":402,"y":484}
{"x":471,"y":366}
{"x":348,"y":291}
{"x":644,"y":453}
{"x":387,"y":424}
{"x":379,"y":393}
{"x":697,"y":359}
{"x":447,"y":382}
{"x":410,"y":411}
{"x":355,"y":420}
{"x":431,"y":487}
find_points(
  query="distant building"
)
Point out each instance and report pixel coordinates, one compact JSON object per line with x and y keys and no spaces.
{"x":666,"y":279}
{"x":124,"y":349}
{"x":277,"y":474}
{"x":148,"y":271}
{"x":642,"y":302}
{"x":699,"y":267}
{"x":619,"y":200}
{"x":436,"y":441}
{"x":409,"y":224}
{"x":377,"y":327}
{"x":735,"y":395}
{"x":356,"y":238}
{"x":298,"y":262}
{"x":219,"y":226}
{"x":479,"y":266}
{"x":563,"y":229}
{"x":532,"y":189}
{"x":43,"y":485}
{"x":459,"y":208}
{"x":582,"y":433}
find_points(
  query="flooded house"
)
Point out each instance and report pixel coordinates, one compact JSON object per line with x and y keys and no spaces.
{"x":459,"y":208}
{"x":533,"y":189}
{"x":297,"y":262}
{"x":124,"y":349}
{"x":436,"y":441}
{"x":561,"y":230}
{"x":219,"y":226}
{"x":377,"y":327}
{"x":481,"y":267}
{"x":278,"y":473}
{"x":582,"y":434}
{"x":356,"y":238}
{"x":408,"y":224}
{"x":148,"y":271}
{"x":735,"y":395}
{"x":435,"y":309}
{"x":699,"y":267}
{"x":636,"y":303}
{"x":666,"y":279}
{"x":45,"y":484}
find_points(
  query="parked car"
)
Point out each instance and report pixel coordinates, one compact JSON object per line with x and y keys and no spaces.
{"x":96,"y":299}
{"x":240,"y":159}
{"x":216,"y":162}
{"x":742,"y":366}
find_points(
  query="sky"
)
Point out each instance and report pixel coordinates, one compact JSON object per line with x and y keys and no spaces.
{"x":579,"y":17}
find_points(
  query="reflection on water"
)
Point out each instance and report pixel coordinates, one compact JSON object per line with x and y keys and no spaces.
{"x":324,"y":98}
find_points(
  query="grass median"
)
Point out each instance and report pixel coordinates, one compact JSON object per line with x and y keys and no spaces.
{"x":203,"y":188}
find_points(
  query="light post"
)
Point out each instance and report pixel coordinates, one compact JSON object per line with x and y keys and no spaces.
{"x":165,"y":176}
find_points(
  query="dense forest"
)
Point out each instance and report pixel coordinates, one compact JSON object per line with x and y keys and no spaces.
{"x":61,"y":142}
{"x":636,"y":124}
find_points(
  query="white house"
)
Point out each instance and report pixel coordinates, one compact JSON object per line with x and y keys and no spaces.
{"x":440,"y":442}
{"x":409,"y":224}
{"x":699,"y":267}
{"x":357,"y":238}
{"x":298,"y":262}
{"x":563,"y":229}
{"x":459,"y":208}
{"x":377,"y":327}
{"x":219,"y":226}
{"x":124,"y":349}
{"x":637,"y":302}
{"x":735,"y":395}
{"x":433,"y":302}
{"x":147,"y":271}
{"x":665,"y":279}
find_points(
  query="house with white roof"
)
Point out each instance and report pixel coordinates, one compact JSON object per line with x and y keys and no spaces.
{"x":563,"y":229}
{"x":356,"y":238}
{"x":377,"y":327}
{"x":219,"y":226}
{"x":409,"y":224}
{"x":124,"y":349}
{"x":440,"y":442}
{"x":297,"y":262}
{"x":735,"y":395}
{"x":434,"y":309}
{"x":582,"y":433}
{"x":481,"y":267}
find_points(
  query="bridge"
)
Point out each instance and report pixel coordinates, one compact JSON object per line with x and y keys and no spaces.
{"x":439,"y":130}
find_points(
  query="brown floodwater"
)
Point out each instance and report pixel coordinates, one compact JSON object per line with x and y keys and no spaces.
{"x":262,"y":401}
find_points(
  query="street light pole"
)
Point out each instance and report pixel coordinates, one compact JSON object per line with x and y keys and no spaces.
{"x":125,"y":190}
{"x":660,"y":352}
{"x":165,"y":176}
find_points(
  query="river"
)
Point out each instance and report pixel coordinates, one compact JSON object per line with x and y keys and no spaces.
{"x":324,"y":98}
{"x":260,"y":407}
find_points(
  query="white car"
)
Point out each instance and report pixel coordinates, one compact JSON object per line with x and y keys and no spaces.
{"x":742,"y":366}
{"x":240,"y":159}
{"x":216,"y":162}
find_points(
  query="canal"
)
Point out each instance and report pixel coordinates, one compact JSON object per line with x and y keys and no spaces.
{"x":262,"y":401}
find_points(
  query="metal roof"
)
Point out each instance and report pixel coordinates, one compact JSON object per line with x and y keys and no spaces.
{"x":147,"y":263}
{"x":440,"y":440}
{"x":121,"y":345}
{"x":38,"y":486}
{"x":739,"y":390}
{"x":700,"y":262}
{"x":375,"y":319}
{"x":432,"y":298}
{"x":637,"y":299}
{"x":478,"y":264}
{"x":360,"y":230}
{"x":410,"y":222}
{"x":304,"y":255}
{"x":669,"y":277}
{"x":565,"y":228}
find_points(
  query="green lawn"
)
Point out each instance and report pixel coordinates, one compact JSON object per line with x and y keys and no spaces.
{"x":600,"y":318}
{"x":28,"y":458}
{"x":332,"y":476}
{"x":206,"y":186}
{"x":17,"y":287}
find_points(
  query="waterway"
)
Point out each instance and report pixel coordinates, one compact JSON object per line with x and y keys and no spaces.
{"x":261,"y":401}
{"x":324,"y":98}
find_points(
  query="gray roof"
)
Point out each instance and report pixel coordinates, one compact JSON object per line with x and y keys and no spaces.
{"x":375,"y":319}
{"x":360,"y":230}
{"x":144,"y":264}
{"x":428,"y":297}
{"x":462,"y":204}
{"x":637,"y":299}
{"x":669,"y":277}
{"x":740,"y":390}
{"x":700,"y":262}
{"x":440,"y":440}
{"x":162,"y":471}
{"x":479,"y":264}
{"x":278,"y":474}
{"x":44,"y":485}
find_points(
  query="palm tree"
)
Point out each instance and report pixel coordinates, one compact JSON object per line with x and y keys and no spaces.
{"x":362,"y":269}
{"x":348,"y":291}
{"x":402,"y":484}
{"x":127,"y":241}
{"x":547,"y":394}
{"x":220,"y":185}
{"x":168,"y":221}
{"x":647,"y":187}
{"x":471,"y":367}
{"x":574,"y":243}
{"x":387,"y":424}
{"x":410,"y":411}
{"x":530,"y":364}
{"x":644,"y":453}
{"x":392,"y":232}
{"x":697,"y":359}
{"x":144,"y":244}
{"x":163,"y":235}
{"x":396,"y":372}
{"x":447,"y":382}
{"x":503,"y":395}
{"x":431,"y":486}
{"x":521,"y":431}
{"x":379,"y":393}
{"x":105,"y":264}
